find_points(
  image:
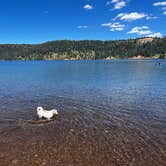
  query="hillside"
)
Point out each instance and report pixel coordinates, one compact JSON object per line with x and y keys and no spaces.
{"x":86,"y":49}
{"x":145,"y":40}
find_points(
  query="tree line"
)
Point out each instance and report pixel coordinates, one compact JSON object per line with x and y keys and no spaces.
{"x":85,"y":49}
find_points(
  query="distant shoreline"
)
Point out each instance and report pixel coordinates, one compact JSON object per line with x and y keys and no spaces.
{"x":141,"y":48}
{"x":137,"y":59}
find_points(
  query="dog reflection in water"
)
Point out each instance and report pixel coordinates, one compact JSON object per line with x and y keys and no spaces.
{"x":46,"y":114}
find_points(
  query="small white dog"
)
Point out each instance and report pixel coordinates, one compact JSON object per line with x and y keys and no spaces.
{"x":46,"y":114}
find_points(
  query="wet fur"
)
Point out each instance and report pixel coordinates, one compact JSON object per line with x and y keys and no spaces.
{"x":46,"y":114}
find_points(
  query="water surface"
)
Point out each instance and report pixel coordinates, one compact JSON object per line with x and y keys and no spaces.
{"x":111,"y":112}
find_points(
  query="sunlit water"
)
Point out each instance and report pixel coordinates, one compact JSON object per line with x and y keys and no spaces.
{"x":115,"y":110}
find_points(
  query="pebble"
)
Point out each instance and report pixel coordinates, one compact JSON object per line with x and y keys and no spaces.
{"x":15,"y":161}
{"x":36,"y":155}
{"x":72,"y":130}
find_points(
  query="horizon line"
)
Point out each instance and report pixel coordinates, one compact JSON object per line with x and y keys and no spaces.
{"x":37,"y":43}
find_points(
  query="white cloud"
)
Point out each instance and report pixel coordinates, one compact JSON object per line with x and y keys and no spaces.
{"x":88,"y":7}
{"x":82,"y":27}
{"x":118,"y":4}
{"x":133,"y":16}
{"x":159,"y":3}
{"x":130,"y":16}
{"x":144,"y":30}
{"x":116,"y":26}
{"x":114,"y":1}
{"x":158,"y":34}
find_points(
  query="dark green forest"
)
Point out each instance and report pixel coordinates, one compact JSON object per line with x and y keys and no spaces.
{"x":85,"y":49}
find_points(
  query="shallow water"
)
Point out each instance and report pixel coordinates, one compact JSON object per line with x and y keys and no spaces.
{"x":111,"y":112}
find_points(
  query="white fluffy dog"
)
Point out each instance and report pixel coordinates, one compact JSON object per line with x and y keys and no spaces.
{"x":46,"y":114}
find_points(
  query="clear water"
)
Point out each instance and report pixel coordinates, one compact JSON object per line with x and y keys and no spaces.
{"x":124,"y":97}
{"x":125,"y":83}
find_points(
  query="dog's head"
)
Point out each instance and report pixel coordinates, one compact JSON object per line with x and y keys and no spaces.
{"x":55,"y":112}
{"x":39,"y":109}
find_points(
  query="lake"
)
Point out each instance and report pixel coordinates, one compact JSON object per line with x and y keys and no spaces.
{"x":110,"y":112}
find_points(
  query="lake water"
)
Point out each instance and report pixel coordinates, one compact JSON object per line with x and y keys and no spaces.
{"x":110,"y":111}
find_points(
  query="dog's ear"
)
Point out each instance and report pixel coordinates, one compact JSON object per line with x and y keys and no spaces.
{"x":39,"y":108}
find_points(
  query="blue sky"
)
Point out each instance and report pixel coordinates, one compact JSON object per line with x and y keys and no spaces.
{"x":36,"y":21}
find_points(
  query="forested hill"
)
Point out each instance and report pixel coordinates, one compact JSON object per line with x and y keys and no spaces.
{"x":87,"y":49}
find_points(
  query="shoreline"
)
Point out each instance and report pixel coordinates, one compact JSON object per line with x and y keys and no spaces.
{"x":112,"y":59}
